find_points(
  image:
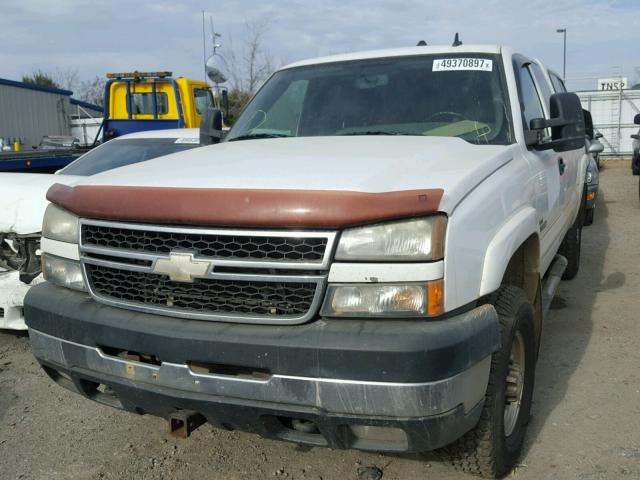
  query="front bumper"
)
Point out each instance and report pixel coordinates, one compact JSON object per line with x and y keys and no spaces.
{"x":417,"y":385}
{"x":12,"y":293}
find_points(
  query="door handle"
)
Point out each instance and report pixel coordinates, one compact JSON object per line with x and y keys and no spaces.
{"x":561,"y":166}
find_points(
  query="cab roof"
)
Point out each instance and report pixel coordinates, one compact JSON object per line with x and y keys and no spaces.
{"x":398,"y":52}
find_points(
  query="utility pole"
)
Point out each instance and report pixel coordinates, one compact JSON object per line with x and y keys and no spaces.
{"x":564,"y":53}
{"x":204,"y":49}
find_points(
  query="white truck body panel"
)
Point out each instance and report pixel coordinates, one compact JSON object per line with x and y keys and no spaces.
{"x":23,"y":200}
{"x":385,"y":272}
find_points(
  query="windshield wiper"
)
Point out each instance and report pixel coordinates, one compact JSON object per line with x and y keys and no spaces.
{"x":251,"y":136}
{"x":377,"y":132}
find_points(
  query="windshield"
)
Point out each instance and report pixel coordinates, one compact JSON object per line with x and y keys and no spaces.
{"x":436,"y":95}
{"x":118,"y":153}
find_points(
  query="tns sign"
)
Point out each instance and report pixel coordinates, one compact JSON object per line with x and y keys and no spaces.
{"x":619,"y":83}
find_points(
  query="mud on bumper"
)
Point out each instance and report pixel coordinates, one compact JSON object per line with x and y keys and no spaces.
{"x":353,"y":406}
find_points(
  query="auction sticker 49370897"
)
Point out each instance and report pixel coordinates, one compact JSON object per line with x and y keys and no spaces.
{"x":449,"y":64}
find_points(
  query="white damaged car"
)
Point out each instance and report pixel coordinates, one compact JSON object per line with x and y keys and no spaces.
{"x":23,"y":202}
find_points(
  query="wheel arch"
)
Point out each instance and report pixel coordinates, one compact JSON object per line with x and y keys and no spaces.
{"x":513,"y":258}
{"x":518,"y":233}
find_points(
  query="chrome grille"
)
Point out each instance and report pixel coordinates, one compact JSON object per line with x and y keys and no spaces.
{"x":203,"y":295}
{"x":251,"y":276}
{"x":295,"y":249}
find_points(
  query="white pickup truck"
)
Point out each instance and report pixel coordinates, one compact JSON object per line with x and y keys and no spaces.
{"x":362,"y":263}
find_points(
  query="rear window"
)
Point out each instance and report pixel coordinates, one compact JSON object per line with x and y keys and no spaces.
{"x":142,"y":103}
{"x":119,"y":153}
{"x":203,"y":98}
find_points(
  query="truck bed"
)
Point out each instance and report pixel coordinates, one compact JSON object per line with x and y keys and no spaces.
{"x":39,"y":161}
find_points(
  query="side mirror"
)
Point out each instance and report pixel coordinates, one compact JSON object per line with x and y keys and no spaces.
{"x":598,"y":136}
{"x":635,"y":136}
{"x":636,"y":119}
{"x":211,"y":126}
{"x":595,"y":147}
{"x":567,"y":124}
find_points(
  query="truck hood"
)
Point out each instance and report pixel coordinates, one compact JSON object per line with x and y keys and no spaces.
{"x":370,"y":164}
{"x":23,"y":200}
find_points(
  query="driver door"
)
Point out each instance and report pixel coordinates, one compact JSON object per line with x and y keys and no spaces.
{"x":546,"y":166}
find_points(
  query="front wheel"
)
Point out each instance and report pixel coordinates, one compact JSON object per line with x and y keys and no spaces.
{"x":493,"y":447}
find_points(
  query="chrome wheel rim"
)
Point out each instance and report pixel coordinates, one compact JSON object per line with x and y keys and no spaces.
{"x":514,"y":384}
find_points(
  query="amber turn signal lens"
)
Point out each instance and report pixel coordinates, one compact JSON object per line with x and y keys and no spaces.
{"x":435,"y":297}
{"x":591,"y":195}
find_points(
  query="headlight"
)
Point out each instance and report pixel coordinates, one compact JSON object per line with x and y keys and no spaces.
{"x":384,"y":300}
{"x":589,"y":177}
{"x":58,"y":224}
{"x":409,"y":241}
{"x":63,"y":272}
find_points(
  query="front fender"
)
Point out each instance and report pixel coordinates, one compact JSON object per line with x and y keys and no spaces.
{"x":511,"y":235}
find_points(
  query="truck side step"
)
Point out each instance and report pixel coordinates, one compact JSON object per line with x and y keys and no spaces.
{"x":556,"y":271}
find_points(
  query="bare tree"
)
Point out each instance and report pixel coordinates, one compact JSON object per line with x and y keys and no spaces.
{"x":257,"y":60}
{"x":67,"y":78}
{"x":247,"y":66}
{"x":252,"y":63}
{"x":92,"y":91}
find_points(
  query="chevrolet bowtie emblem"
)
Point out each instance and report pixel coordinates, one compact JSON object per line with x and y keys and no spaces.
{"x":181,"y":267}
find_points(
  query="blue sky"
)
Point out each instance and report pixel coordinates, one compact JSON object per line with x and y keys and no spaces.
{"x":97,"y":37}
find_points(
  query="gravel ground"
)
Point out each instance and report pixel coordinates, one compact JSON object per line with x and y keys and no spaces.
{"x":586,"y":412}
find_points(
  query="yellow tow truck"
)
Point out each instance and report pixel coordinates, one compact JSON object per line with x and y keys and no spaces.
{"x":139,"y":101}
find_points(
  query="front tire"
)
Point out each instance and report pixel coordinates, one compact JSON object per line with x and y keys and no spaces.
{"x":493,"y":447}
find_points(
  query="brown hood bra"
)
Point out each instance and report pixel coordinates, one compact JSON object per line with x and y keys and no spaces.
{"x":242,"y":207}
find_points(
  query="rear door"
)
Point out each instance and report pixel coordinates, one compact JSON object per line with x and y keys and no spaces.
{"x":577,"y":161}
{"x":567,"y":161}
{"x":545,"y":165}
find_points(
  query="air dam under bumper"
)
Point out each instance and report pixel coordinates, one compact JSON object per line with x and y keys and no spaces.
{"x":346,"y":412}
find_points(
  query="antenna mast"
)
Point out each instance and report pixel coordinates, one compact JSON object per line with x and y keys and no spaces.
{"x":214,"y":37}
